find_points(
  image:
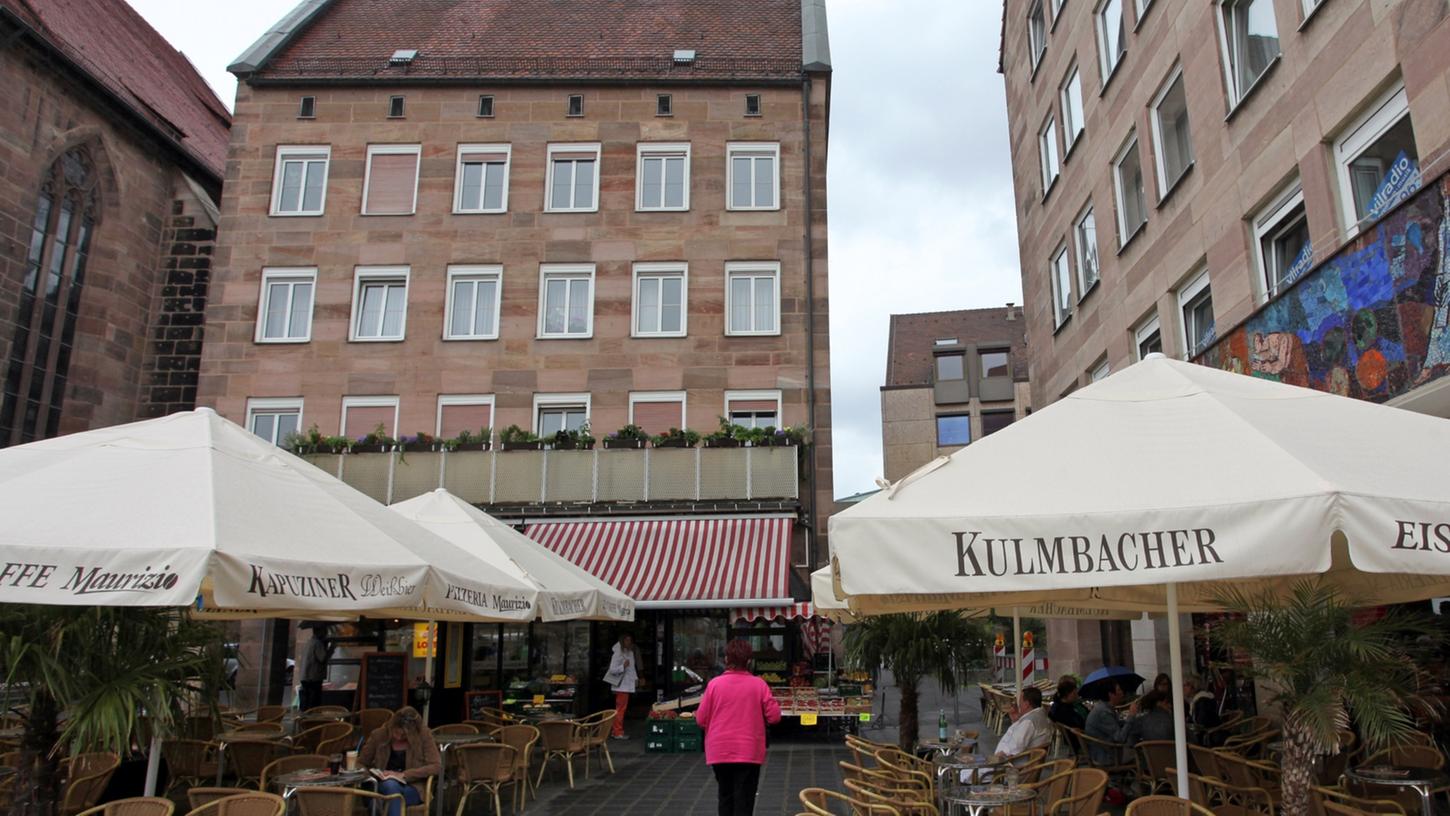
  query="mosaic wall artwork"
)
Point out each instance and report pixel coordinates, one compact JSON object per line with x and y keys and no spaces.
{"x":1372,"y":322}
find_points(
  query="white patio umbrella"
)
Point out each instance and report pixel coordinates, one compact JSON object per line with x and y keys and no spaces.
{"x":564,"y":590}
{"x":1155,"y":489}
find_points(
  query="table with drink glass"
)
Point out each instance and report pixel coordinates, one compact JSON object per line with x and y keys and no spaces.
{"x":974,"y":800}
{"x":321,"y":778}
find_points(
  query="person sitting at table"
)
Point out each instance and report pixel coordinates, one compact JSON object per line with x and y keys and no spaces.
{"x":1066,"y":707}
{"x":1202,"y":708}
{"x":1104,"y":724}
{"x":1032,"y":728}
{"x":1153,"y":720}
{"x":404,"y":751}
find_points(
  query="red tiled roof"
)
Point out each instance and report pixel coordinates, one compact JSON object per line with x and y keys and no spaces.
{"x":119,"y":50}
{"x":546,"y":39}
{"x":909,"y":357}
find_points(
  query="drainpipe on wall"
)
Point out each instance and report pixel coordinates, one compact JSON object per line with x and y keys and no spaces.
{"x":811,"y":498}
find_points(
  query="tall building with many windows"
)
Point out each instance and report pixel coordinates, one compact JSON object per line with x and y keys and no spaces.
{"x":1254,"y":184}
{"x":499,"y":218}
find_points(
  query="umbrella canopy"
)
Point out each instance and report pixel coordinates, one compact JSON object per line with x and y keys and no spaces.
{"x":141,"y":514}
{"x":564,"y":590}
{"x":1165,"y":473}
{"x":1095,"y":685}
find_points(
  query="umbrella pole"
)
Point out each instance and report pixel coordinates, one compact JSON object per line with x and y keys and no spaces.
{"x":153,"y":765}
{"x":1175,"y":669}
{"x":428,"y":665}
{"x":1017,"y":653}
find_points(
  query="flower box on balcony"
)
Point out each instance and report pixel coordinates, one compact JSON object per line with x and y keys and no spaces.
{"x":674,"y":442}
{"x":468,"y":446}
{"x":574,"y":446}
{"x":722,"y":443}
{"x":521,"y":446}
{"x":623,"y":443}
{"x":361,"y":448}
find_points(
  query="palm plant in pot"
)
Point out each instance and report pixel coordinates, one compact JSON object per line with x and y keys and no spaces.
{"x":1328,"y":667}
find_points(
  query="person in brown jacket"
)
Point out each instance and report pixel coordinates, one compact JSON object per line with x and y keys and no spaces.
{"x":404,"y":751}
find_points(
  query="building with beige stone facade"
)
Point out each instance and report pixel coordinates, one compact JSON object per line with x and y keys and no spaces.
{"x":951,"y":378}
{"x":1255,"y":184}
{"x":549,"y":216}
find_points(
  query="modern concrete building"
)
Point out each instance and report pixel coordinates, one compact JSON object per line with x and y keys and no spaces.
{"x":1256,"y":184}
{"x":546,"y":217}
{"x":951,"y":377}
{"x":112,"y":150}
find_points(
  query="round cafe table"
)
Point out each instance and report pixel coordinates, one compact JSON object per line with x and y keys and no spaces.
{"x":320,"y":778}
{"x":445,"y":742}
{"x":951,"y":769}
{"x":1421,"y":780}
{"x":974,"y":800}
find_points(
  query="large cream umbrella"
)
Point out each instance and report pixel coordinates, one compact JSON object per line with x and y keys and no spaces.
{"x":1155,"y":489}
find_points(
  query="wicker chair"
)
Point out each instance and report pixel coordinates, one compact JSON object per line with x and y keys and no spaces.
{"x":253,"y":803}
{"x":822,"y":802}
{"x":320,"y":801}
{"x":1328,"y":798}
{"x":1154,"y":757}
{"x":307,"y":740}
{"x":1242,"y":772}
{"x":371,"y":719}
{"x":199,"y":726}
{"x":1032,"y":774}
{"x":338,"y":744}
{"x":485,"y":767}
{"x":331,"y":711}
{"x":267,"y":714}
{"x":1051,"y":788}
{"x":596,"y":737}
{"x":135,"y":806}
{"x":522,"y":739}
{"x":288,"y":764}
{"x":906,"y":770}
{"x":465,"y":729}
{"x":864,"y":750}
{"x":269,"y":728}
{"x":1226,"y":799}
{"x":245,"y":759}
{"x":1085,"y":794}
{"x":196,"y":797}
{"x":1409,"y":756}
{"x":562,"y":739}
{"x":86,"y":780}
{"x":1085,"y":759}
{"x":189,"y":762}
{"x":909,"y":801}
{"x":1166,"y":806}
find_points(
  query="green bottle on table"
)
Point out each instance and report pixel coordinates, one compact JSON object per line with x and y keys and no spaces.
{"x":941,"y":726}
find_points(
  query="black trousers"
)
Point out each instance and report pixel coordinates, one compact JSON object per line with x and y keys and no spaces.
{"x":738,"y":781}
{"x":309,"y":695}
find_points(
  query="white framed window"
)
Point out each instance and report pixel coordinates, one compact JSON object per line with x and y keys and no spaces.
{"x":379,"y":303}
{"x":1249,"y":37}
{"x":1195,"y":306}
{"x":284,"y":310}
{"x":951,"y":366}
{"x":754,"y":409}
{"x":661,"y":300}
{"x":657,"y":411}
{"x":481,"y":178}
{"x":1281,"y":241}
{"x":299,"y":179}
{"x":1112,"y":37}
{"x":1309,"y":7}
{"x":463,"y":412}
{"x":1085,"y":242}
{"x":475,"y":293}
{"x":1376,"y":160}
{"x":1099,"y":371}
{"x":1148,"y":337}
{"x":560,"y":412}
{"x":752,"y":175}
{"x":274,"y":419}
{"x":1072,"y":112}
{"x":752,"y":298}
{"x":1128,"y":190}
{"x":1047,"y":146}
{"x":1141,"y":6}
{"x":572,"y":178}
{"x":362,"y":415}
{"x":1061,"y":286}
{"x":566,"y":301}
{"x":662,"y":177}
{"x":1172,"y":142}
{"x":1036,"y":32}
{"x":390,"y":183}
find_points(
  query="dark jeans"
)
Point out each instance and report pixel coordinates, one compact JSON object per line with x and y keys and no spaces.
{"x":309,"y":695}
{"x":411,"y":795}
{"x":737,"y":787}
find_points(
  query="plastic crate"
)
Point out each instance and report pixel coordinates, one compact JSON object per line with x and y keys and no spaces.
{"x":659,"y":745}
{"x":688,"y":728}
{"x":689,"y":744}
{"x":662,"y":729}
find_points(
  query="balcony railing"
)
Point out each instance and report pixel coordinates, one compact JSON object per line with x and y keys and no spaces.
{"x":537,"y":477}
{"x":1371,"y":322}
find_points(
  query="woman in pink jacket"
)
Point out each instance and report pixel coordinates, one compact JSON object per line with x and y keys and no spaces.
{"x":734,"y":712}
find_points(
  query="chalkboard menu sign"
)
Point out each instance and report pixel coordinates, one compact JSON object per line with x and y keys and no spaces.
{"x":385,"y":680}
{"x":477,"y":702}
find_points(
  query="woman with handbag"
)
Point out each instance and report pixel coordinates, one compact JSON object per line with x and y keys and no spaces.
{"x":622,"y":677}
{"x":733,"y":713}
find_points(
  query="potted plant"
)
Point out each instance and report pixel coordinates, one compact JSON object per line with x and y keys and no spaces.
{"x":676,"y":438}
{"x":303,"y":443}
{"x":566,"y":439}
{"x":515,"y":438}
{"x":469,"y":441}
{"x":335,"y":444}
{"x":630,"y":437}
{"x":422,"y":441}
{"x":724,"y":436}
{"x":753,"y":437}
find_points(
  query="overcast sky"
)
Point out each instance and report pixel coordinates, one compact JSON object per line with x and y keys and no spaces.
{"x":920,"y":196}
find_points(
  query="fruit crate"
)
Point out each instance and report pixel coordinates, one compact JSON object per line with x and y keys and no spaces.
{"x":689,"y":738}
{"x":660,"y":737}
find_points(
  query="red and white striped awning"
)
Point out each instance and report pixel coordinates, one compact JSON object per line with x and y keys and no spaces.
{"x":680,"y":563}
{"x":751,"y":614}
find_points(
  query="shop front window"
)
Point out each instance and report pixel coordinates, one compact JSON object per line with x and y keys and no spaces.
{"x":768,"y":642}
{"x":699,"y":651}
{"x":484,"y":675}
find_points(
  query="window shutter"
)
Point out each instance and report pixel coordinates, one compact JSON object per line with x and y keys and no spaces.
{"x":362,"y":420}
{"x":658,"y":417}
{"x":471,"y":418}
{"x":469,"y":157}
{"x":753,"y":405}
{"x":392,"y":180}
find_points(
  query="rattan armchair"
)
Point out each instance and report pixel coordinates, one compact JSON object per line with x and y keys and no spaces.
{"x":1154,"y":758}
{"x":245,"y":759}
{"x":189,"y":762}
{"x":1115,"y":750}
{"x":596,"y":737}
{"x":1166,"y":806}
{"x":86,"y":779}
{"x":1226,"y":799}
{"x":274,"y":729}
{"x":288,"y":764}
{"x":1085,"y":794}
{"x":1409,"y":756}
{"x":864,"y":750}
{"x":487,"y":767}
{"x":522,"y":738}
{"x":910,"y":801}
{"x":820,"y":802}
{"x":1329,"y":798}
{"x":196,"y":797}
{"x":134,"y":806}
{"x":561,"y":739}
{"x":253,"y":803}
{"x":320,"y":801}
{"x":464,"y":729}
{"x":371,"y":719}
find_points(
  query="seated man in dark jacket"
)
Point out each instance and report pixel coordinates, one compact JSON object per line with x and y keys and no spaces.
{"x":1067,"y":708}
